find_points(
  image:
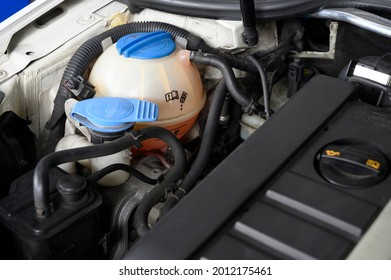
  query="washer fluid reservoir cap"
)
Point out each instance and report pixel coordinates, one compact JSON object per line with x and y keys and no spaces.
{"x":113,"y":114}
{"x":146,"y":45}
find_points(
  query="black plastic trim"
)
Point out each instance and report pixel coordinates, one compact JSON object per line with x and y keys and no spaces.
{"x":184,"y":229}
{"x":265,"y":9}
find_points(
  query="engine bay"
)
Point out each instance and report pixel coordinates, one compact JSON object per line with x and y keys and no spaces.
{"x":149,"y":130}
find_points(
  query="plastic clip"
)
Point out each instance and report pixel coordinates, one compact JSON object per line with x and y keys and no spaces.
{"x":253,"y":108}
{"x":80,"y":87}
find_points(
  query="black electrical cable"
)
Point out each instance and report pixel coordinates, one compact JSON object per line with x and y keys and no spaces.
{"x":281,"y":47}
{"x":55,"y":135}
{"x":2,"y":95}
{"x":41,"y":173}
{"x":157,"y":193}
{"x":265,"y":90}
{"x":205,"y":150}
{"x":370,"y":83}
{"x":95,"y":177}
{"x":249,"y":105}
{"x":291,"y":39}
{"x":271,"y":83}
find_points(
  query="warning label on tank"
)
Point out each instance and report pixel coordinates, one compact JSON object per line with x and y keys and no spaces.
{"x":183,"y":97}
{"x":170,"y":96}
{"x":174,"y":94}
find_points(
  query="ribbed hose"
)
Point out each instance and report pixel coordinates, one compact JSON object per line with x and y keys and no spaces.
{"x":205,"y":150}
{"x":249,"y":105}
{"x":157,"y":193}
{"x":41,"y":174}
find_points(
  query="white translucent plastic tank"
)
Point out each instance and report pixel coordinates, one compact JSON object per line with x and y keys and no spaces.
{"x":115,"y":178}
{"x":149,"y":66}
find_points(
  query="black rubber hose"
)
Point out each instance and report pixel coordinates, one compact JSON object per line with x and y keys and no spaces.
{"x":238,"y":61}
{"x":249,"y":105}
{"x":95,"y":177}
{"x":262,"y":74}
{"x":250,"y":34}
{"x":369,"y":83}
{"x":157,"y":193}
{"x":291,"y":38}
{"x":55,"y":135}
{"x":41,"y":173}
{"x":205,"y":150}
{"x":92,"y":48}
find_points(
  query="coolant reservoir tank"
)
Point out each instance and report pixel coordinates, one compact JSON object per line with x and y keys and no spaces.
{"x":149,"y":66}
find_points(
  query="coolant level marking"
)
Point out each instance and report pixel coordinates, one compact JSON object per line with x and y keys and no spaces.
{"x":183,"y":99}
{"x":170,"y":96}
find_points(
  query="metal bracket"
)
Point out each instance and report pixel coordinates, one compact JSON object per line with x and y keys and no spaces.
{"x":363,"y":19}
{"x":332,"y":44}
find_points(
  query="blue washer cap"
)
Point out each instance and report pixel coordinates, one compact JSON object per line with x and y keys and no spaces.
{"x":146,"y":45}
{"x":113,"y":114}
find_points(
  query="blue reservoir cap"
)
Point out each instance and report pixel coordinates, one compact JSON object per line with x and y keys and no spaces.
{"x":113,"y":114}
{"x":146,"y":45}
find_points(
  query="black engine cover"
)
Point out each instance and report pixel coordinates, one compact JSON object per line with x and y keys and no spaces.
{"x":269,"y":200}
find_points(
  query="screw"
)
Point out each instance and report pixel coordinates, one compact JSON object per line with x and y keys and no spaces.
{"x":69,"y":84}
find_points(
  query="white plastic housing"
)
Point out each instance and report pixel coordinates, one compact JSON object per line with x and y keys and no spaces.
{"x":115,"y":178}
